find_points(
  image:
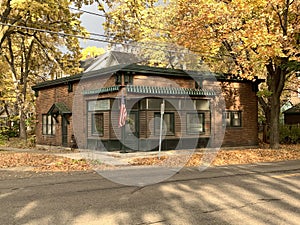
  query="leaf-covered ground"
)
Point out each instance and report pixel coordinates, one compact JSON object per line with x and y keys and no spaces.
{"x":41,"y":162}
{"x":225,"y":157}
{"x":49,"y":162}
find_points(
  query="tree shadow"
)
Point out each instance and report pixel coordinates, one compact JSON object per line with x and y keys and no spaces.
{"x":220,"y":195}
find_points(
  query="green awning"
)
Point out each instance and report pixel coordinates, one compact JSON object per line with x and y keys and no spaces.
{"x":101,"y":90}
{"x":154,"y":90}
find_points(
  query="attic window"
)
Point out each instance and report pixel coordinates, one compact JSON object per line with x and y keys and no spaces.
{"x":118,"y":79}
{"x":70,"y":87}
{"x":198,"y":84}
{"x":128,"y":78}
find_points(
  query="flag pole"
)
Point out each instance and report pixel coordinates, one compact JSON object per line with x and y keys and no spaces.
{"x":122,"y":121}
{"x":162,"y":111}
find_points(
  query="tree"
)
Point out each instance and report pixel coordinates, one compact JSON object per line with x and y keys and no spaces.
{"x":244,"y":37}
{"x":258,"y":37}
{"x":143,"y":28}
{"x":33,"y":45}
{"x":91,"y":52}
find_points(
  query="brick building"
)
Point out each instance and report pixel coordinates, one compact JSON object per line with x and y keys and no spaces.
{"x":292,"y":115}
{"x":200,"y":110}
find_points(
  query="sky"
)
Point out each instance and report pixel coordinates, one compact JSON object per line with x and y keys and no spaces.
{"x":93,"y":24}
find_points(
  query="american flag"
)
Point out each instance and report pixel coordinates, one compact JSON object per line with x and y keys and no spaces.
{"x":123,"y":112}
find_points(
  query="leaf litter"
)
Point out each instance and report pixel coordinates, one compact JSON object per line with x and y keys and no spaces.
{"x":49,"y":162}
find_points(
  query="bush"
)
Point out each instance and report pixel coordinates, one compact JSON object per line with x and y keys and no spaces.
{"x":9,"y":132}
{"x":290,"y":134}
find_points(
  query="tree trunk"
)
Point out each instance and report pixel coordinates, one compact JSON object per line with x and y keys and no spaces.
{"x":22,"y":125}
{"x":265,"y":104}
{"x":274,"y":122}
{"x":276,"y":79}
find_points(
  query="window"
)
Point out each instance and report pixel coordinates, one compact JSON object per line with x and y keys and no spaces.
{"x":199,"y":83}
{"x":48,"y":125}
{"x":168,"y":123}
{"x":195,"y":123}
{"x":155,"y":104}
{"x":128,"y":78}
{"x":232,"y":118}
{"x":97,"y":124}
{"x":70,"y":87}
{"x":118,"y":78}
{"x":103,"y":104}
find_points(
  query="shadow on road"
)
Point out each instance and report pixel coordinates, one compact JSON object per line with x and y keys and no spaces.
{"x":225,"y":195}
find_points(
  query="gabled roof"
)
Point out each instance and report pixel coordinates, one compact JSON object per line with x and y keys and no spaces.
{"x":59,"y":108}
{"x":294,"y":110}
{"x":108,"y":59}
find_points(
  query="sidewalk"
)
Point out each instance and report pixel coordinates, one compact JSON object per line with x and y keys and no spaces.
{"x":117,"y":158}
{"x":110,"y":158}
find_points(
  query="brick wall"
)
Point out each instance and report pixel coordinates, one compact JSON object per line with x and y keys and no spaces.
{"x":46,"y":98}
{"x":292,"y":118}
{"x":241,"y":97}
{"x":238,"y":96}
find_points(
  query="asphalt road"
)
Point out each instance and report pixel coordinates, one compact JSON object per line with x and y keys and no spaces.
{"x":251,"y":194}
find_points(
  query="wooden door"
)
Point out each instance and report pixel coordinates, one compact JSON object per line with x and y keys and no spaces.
{"x":64,"y":131}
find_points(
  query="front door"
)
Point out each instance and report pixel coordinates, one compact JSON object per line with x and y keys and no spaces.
{"x":64,"y":131}
{"x":131,"y":140}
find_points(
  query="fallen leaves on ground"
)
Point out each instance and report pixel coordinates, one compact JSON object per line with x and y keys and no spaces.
{"x":42,"y":162}
{"x":50,"y":162}
{"x":223,"y":157}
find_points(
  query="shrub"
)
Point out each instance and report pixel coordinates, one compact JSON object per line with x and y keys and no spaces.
{"x":290,"y":134}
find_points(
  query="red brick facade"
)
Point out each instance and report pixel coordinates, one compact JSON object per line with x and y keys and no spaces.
{"x":240,"y":100}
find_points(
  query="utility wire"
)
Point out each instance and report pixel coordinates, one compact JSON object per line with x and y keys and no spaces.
{"x":88,"y":12}
{"x":154,"y":46}
{"x":90,"y":33}
{"x":157,"y":45}
{"x":58,"y":33}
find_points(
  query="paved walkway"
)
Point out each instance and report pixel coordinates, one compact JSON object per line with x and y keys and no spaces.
{"x":110,"y":158}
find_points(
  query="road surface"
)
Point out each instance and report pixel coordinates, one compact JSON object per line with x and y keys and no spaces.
{"x":245,"y":194}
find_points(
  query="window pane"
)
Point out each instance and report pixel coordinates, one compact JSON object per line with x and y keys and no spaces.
{"x":97,"y":124}
{"x":48,"y":125}
{"x":236,"y":120}
{"x":131,"y":122}
{"x":232,"y":118}
{"x":156,"y":123}
{"x":201,"y":104}
{"x":228,"y":119}
{"x":154,"y":104}
{"x":168,"y":123}
{"x":172,"y":104}
{"x":44,"y":124}
{"x":103,"y":104}
{"x":195,"y":122}
{"x":118,"y":79}
{"x":53,"y":126}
